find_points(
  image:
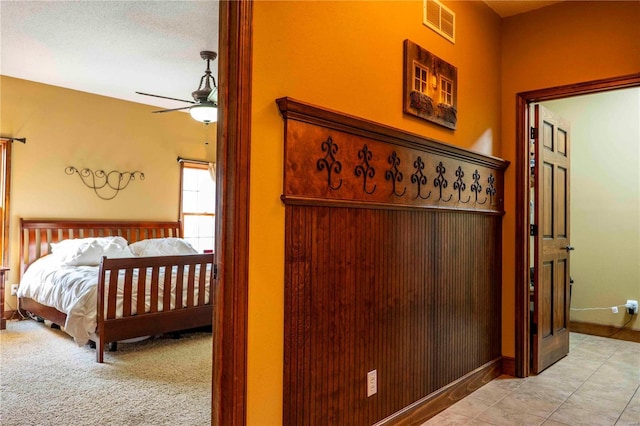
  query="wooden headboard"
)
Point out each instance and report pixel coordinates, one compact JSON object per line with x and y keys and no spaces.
{"x":36,"y":235}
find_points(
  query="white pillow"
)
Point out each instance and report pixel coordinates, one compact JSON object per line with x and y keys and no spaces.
{"x":170,"y":246}
{"x":89,"y":251}
{"x":71,"y":245}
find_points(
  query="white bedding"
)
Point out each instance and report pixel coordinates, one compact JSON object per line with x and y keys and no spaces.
{"x":73,"y":290}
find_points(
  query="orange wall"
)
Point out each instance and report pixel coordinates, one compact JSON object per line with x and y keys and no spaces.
{"x":71,"y":128}
{"x":346,"y":56}
{"x":569,"y":42}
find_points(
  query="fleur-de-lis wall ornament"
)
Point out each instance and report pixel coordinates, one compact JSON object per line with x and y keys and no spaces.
{"x":419,"y":178}
{"x":364,"y":176}
{"x":329,"y":162}
{"x":395,"y":175}
{"x":459,"y":185}
{"x":476,"y":187}
{"x":440,"y":182}
{"x":491,"y":189}
{"x":365,"y":169}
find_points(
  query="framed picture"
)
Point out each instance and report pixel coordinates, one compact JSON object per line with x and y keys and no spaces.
{"x":430,"y":86}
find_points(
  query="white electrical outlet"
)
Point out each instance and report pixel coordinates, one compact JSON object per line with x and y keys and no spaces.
{"x":614,"y":309}
{"x":632,"y":307}
{"x":372,"y":382}
{"x":14,"y":289}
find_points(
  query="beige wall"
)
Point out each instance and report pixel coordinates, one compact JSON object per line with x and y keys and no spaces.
{"x":565,"y":43}
{"x":346,"y":56}
{"x":70,"y":128}
{"x":605,"y":203}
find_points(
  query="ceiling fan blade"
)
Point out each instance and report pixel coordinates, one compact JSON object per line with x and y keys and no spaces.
{"x":169,"y":110}
{"x":166,"y":97}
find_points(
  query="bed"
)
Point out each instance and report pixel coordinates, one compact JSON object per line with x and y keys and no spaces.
{"x":126,"y":293}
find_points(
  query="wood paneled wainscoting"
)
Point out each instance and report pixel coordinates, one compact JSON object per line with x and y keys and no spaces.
{"x":392,"y":264}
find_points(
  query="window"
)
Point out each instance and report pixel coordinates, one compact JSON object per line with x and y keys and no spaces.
{"x":420,"y":78}
{"x":446,"y":91}
{"x":198,"y":205}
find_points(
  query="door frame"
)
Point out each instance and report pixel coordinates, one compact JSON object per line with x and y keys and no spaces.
{"x":230,"y":314}
{"x":523,"y":99}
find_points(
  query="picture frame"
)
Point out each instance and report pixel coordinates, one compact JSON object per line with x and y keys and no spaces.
{"x":430,"y":86}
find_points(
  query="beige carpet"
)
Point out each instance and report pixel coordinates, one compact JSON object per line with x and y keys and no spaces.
{"x":45,"y":379}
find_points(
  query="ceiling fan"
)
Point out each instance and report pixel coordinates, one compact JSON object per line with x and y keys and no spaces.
{"x":204,"y":106}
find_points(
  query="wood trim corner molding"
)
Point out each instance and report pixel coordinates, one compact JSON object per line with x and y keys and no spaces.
{"x":229,"y":387}
{"x":509,"y":365}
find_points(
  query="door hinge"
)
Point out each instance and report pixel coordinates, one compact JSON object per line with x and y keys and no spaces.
{"x":533,"y":134}
{"x":215,"y":271}
{"x":533,"y":230}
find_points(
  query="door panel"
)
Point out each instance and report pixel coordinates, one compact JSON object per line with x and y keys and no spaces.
{"x":547,"y":201}
{"x":551,"y":256}
{"x":561,"y":200}
{"x":561,"y":320}
{"x":546,"y":296}
{"x":562,"y":142}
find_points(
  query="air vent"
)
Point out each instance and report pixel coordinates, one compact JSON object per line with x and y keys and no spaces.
{"x":439,"y":18}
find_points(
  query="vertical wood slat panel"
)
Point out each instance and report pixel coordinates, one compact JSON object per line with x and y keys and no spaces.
{"x":31,"y":236}
{"x":142,"y":284}
{"x":191,"y":277}
{"x":179,"y":286}
{"x":412,"y":294}
{"x":127,"y":292}
{"x":111,"y":295}
{"x":166,"y":289}
{"x":155,"y":273}
{"x":202,"y":277}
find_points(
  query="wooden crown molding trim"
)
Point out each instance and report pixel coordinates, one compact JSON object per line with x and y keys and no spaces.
{"x":292,"y":109}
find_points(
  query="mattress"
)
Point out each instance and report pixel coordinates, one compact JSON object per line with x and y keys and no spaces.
{"x":73,"y":290}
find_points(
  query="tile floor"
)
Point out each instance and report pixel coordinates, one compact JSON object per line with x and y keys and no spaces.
{"x":598,"y":383}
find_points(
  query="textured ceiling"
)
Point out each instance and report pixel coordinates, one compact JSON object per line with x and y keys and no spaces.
{"x":110,"y":48}
{"x":115,"y":48}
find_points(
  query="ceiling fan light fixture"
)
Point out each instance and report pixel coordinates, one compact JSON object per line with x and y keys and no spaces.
{"x":204,"y":113}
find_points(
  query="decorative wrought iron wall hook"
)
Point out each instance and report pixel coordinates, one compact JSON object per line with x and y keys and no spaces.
{"x":365,"y":169}
{"x":394,"y":174}
{"x":329,"y":162}
{"x":101,"y":181}
{"x":419,"y":178}
{"x":459,"y":185}
{"x":441,"y":182}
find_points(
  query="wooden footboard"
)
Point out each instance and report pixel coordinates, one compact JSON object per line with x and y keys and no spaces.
{"x":146,"y":308}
